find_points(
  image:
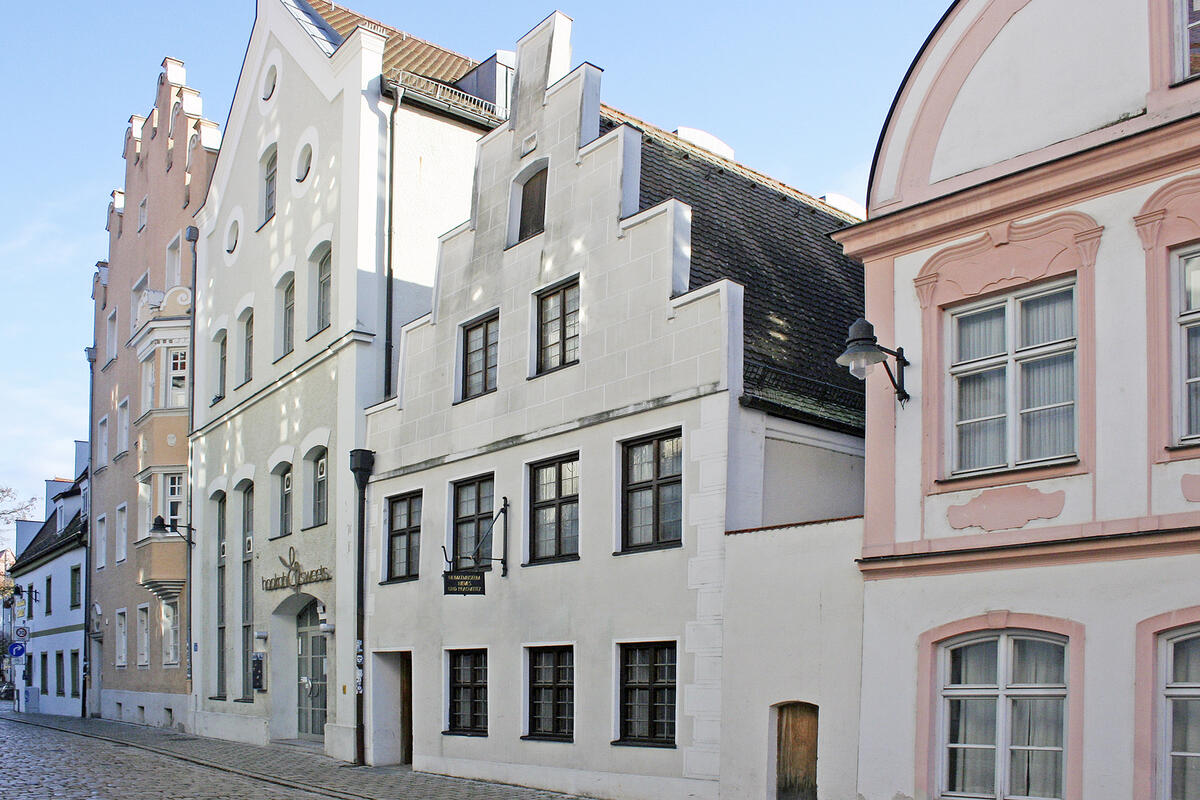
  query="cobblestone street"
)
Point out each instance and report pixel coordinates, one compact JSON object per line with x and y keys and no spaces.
{"x":76,"y":759}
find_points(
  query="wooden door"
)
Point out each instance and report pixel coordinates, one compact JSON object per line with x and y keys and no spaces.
{"x":796,"y":752}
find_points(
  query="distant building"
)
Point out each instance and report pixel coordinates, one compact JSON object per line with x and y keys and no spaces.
{"x":51,"y":573}
{"x":141,"y":400}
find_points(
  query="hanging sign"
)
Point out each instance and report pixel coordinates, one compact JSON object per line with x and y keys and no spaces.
{"x":462,"y":583}
{"x":296,"y":575}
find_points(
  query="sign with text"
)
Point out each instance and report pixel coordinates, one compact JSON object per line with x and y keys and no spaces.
{"x":296,"y":575}
{"x":462,"y":583}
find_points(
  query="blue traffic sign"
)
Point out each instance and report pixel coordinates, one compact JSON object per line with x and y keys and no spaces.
{"x":16,"y":650}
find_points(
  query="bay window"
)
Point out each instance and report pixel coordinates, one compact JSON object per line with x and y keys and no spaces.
{"x":1013,"y":379}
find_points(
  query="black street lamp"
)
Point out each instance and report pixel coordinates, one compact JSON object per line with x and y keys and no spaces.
{"x":863,"y":352}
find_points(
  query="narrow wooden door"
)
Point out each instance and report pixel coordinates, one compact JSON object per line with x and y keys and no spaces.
{"x":796,"y":752}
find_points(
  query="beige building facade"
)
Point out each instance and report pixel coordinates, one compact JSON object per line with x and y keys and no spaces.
{"x":139,"y":670}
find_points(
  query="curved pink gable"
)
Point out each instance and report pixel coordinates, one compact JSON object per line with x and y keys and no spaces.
{"x":1006,"y":507}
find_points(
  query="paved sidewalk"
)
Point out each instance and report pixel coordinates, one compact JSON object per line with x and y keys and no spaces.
{"x":291,"y":767}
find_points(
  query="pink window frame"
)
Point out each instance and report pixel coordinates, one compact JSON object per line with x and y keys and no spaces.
{"x":1145,"y":699}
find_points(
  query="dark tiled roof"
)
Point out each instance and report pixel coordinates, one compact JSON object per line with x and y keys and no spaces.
{"x":402,"y":52}
{"x":49,"y":538}
{"x":801,"y":292}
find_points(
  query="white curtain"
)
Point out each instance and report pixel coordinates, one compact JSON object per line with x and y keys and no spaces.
{"x":1048,"y":432}
{"x":973,"y":664}
{"x":1186,"y":661}
{"x":1185,"y":743}
{"x":972,"y":769}
{"x":981,"y":443}
{"x":980,"y":334}
{"x":1048,"y":318}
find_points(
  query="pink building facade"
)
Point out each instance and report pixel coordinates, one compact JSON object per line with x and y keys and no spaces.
{"x":1031,"y":609}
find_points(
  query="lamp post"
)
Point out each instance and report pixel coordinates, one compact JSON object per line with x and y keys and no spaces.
{"x":863,"y":352}
{"x":160,"y":528}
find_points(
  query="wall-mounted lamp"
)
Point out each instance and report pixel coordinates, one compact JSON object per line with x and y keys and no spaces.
{"x":260,"y":636}
{"x":326,"y":627}
{"x":863,"y":352}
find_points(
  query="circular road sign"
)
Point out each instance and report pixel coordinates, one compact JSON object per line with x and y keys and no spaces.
{"x":21,"y":633}
{"x":16,"y":650}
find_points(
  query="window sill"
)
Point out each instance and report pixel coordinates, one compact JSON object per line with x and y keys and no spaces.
{"x":77,"y":605}
{"x":531,"y":237}
{"x":314,"y":527}
{"x":282,"y":357}
{"x":318,"y":332}
{"x":120,"y":455}
{"x":108,"y":364}
{"x":551,"y":560}
{"x":473,"y":397}
{"x":279,"y":536}
{"x":264,"y":224}
{"x":642,"y":743}
{"x":546,"y":737}
{"x":1184,"y":81}
{"x":646,"y":548}
{"x":216,"y":399}
{"x":243,"y":699}
{"x":100,"y":469}
{"x":553,"y":370}
{"x":1183,"y":447}
{"x":243,"y":383}
{"x":475,"y":734}
{"x":1053,"y":468}
{"x":405,"y":579}
{"x":220,"y":697}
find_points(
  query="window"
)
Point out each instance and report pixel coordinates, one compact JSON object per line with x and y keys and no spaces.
{"x":1179,"y":687}
{"x":1187,"y":36}
{"x":102,"y":441}
{"x":652,"y":483}
{"x":554,"y":508}
{"x":320,"y":487}
{"x":111,"y":335}
{"x":143,"y":636}
{"x":142,"y":217}
{"x":552,"y":692}
{"x":247,"y":588}
{"x":324,"y":291}
{"x":100,"y":541}
{"x":269,"y":173}
{"x":74,"y":673}
{"x":45,"y":673}
{"x":170,"y":632}
{"x":76,"y":586}
{"x":648,"y":693}
{"x":558,"y":327}
{"x":148,"y":379}
{"x":222,"y":364}
{"x":145,"y":507}
{"x":173,"y":506}
{"x":29,"y":601}
{"x":220,"y":615}
{"x":47,"y":596}
{"x":248,"y":348}
{"x":60,"y":682}
{"x":468,"y":691}
{"x":473,"y":523}
{"x":285,"y":500}
{"x":533,"y":206}
{"x":173,"y":271}
{"x":177,"y":361}
{"x":288,"y":321}
{"x":123,"y":426}
{"x":1003,"y":716}
{"x":122,"y":531}
{"x":1014,"y":380}
{"x":136,"y":294}
{"x":480,"y":348}
{"x":122,"y":639}
{"x":404,"y":536}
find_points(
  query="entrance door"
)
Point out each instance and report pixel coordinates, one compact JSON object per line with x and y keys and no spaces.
{"x":796,"y":754}
{"x":310,"y":671}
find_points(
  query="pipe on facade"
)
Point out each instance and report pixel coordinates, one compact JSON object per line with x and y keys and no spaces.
{"x":362,"y":464}
{"x":391,"y":90}
{"x":87,"y":550}
{"x":192,"y":235}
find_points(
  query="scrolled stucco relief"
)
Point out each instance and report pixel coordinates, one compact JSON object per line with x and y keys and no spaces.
{"x":1006,"y":508}
{"x":1190,"y":486}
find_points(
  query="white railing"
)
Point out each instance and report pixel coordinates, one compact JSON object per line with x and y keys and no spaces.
{"x":447,"y":94}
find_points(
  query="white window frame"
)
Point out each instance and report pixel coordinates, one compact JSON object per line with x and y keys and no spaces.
{"x":145,"y":507}
{"x":173,"y":494}
{"x":102,"y":441}
{"x":149,"y":380}
{"x":1003,"y":692}
{"x":1011,"y":360}
{"x":121,"y":623}
{"x":110,"y":339}
{"x":1164,"y":693}
{"x":322,"y":291}
{"x":135,"y":299}
{"x":1181,"y":69}
{"x":143,"y":215}
{"x":170,"y":400}
{"x":123,"y":426}
{"x":100,"y":541}
{"x":174,"y":263}
{"x":170,"y":631}
{"x":143,"y":635}
{"x":121,"y":532}
{"x":1183,"y":320}
{"x":319,"y":500}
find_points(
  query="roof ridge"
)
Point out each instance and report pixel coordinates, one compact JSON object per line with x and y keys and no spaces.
{"x":737,"y":166}
{"x":392,"y":31}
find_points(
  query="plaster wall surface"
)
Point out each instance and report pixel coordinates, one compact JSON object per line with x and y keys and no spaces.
{"x":59,"y":632}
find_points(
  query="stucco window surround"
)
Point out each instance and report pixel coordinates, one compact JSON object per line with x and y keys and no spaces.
{"x":316,"y":474}
{"x":1151,"y":733}
{"x":1009,"y":257}
{"x":1168,"y":228}
{"x":283,"y":510}
{"x":100,"y":541}
{"x":102,"y":441}
{"x":527,"y":197}
{"x":121,"y":646}
{"x":932,"y":662}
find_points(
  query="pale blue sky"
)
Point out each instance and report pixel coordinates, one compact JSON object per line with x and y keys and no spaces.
{"x":798,"y":88}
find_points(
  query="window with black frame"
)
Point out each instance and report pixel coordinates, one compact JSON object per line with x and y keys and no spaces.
{"x":552,"y":693}
{"x":404,"y":536}
{"x":648,"y":694}
{"x":473,"y":500}
{"x":481,"y":343}
{"x":554,"y":509}
{"x":652,"y":491}
{"x":558,"y":327}
{"x":468,"y":692}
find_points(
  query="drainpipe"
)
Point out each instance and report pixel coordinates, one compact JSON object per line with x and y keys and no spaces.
{"x":362,"y":464}
{"x":392,"y":91}
{"x":87,"y":550}
{"x":191,"y":234}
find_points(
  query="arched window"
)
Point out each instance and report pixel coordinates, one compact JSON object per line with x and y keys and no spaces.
{"x":287,"y":323}
{"x":270,"y":170}
{"x":222,"y":365}
{"x":320,"y":486}
{"x":248,"y":348}
{"x":322,"y":288}
{"x":285,"y":499}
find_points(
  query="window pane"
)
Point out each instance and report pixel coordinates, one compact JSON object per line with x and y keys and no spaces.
{"x":1036,"y":773}
{"x":570,"y":478}
{"x":670,"y":511}
{"x":1048,"y":318}
{"x":1035,"y":661}
{"x":1185,"y":778}
{"x":546,"y":487}
{"x":670,"y":456}
{"x":973,"y":664}
{"x":1037,"y":721}
{"x":641,"y":462}
{"x":544,"y":533}
{"x":1048,"y":433}
{"x":641,"y":517}
{"x":570,"y":529}
{"x":1045,"y":381}
{"x":466,"y":500}
{"x":981,"y":394}
{"x":980,"y":334}
{"x":981,"y":444}
{"x":1186,"y":661}
{"x":1185,"y":726}
{"x":973,"y":721}
{"x":971,"y":771}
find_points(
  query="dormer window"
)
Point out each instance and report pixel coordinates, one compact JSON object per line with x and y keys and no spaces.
{"x":533,"y":206}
